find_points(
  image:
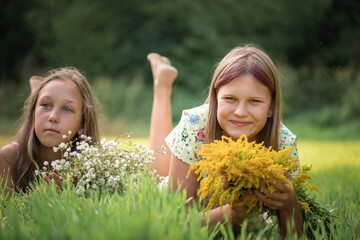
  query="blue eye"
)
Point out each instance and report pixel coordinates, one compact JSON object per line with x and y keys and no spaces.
{"x":254,"y":101}
{"x":68,"y":110}
{"x":45,"y":105}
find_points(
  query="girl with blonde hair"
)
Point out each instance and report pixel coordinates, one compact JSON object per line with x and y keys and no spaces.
{"x":244,"y":98}
{"x":60,"y":104}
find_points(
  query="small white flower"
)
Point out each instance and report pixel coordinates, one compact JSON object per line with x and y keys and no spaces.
{"x":64,"y":136}
{"x":85,"y":147}
{"x":62,"y":145}
{"x":46,"y":163}
{"x":36,"y":172}
{"x":55,"y":149}
{"x":69,"y":132}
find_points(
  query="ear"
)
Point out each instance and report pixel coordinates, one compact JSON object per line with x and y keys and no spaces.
{"x":81,"y":130}
{"x":270,"y":112}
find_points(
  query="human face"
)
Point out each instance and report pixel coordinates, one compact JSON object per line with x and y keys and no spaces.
{"x":58,"y":110}
{"x":244,"y":104}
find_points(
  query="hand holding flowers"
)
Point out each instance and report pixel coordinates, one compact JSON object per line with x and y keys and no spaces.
{"x":103,"y":166}
{"x":284,"y":199}
{"x":246,"y":174}
{"x":55,"y":177}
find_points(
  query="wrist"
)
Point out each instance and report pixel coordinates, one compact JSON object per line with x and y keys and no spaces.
{"x":237,"y":214}
{"x":291,"y":209}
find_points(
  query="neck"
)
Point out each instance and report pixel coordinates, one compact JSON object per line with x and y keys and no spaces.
{"x":48,"y":154}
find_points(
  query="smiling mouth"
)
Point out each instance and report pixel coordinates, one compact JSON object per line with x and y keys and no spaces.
{"x":240,"y":123}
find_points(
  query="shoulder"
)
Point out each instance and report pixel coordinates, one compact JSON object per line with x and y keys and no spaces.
{"x":286,"y":137}
{"x":196,"y":114}
{"x":188,"y":136}
{"x":8,"y":155}
{"x":194,"y":118}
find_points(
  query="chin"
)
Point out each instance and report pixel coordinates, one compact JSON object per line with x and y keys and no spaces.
{"x":50,"y":144}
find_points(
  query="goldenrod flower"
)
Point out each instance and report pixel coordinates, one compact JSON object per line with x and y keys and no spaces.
{"x":247,"y":166}
{"x":305,"y":206}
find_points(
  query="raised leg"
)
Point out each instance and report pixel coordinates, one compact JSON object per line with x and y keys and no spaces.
{"x":164,"y":75}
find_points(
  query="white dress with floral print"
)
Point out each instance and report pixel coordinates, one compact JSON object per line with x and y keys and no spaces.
{"x":187,"y":137}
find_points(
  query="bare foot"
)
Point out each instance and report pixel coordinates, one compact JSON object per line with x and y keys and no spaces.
{"x":164,"y":73}
{"x":35,"y":82}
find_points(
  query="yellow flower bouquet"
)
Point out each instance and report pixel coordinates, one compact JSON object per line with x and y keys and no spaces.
{"x":247,"y":166}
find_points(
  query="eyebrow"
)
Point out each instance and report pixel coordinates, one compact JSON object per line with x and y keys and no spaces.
{"x":49,"y":97}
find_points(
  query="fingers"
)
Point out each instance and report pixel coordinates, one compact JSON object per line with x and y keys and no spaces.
{"x":47,"y":179}
{"x":282,"y":187}
{"x":277,"y":200}
{"x":57,"y":180}
{"x":287,"y":175}
{"x":226,"y":184}
{"x":270,"y":200}
{"x":54,"y":177}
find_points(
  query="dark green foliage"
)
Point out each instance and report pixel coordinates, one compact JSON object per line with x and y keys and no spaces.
{"x":315,"y":43}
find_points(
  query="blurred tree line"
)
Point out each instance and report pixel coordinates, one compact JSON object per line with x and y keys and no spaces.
{"x":314,"y":43}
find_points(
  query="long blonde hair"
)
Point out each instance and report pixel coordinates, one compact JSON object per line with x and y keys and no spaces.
{"x":246,"y":60}
{"x":28,"y":159}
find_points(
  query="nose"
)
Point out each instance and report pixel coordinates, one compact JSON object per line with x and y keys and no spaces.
{"x":241,"y":110}
{"x":54,"y":115}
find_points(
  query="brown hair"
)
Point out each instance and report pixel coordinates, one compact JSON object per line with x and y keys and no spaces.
{"x":239,"y":61}
{"x":28,"y":159}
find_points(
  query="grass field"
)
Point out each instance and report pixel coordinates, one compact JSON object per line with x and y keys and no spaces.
{"x":336,"y":167}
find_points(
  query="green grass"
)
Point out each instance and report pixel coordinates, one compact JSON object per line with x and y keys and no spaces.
{"x":336,"y":167}
{"x":146,"y":213}
{"x":154,"y":214}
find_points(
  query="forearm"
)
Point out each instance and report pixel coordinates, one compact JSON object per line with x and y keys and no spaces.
{"x":293,"y":217}
{"x":235,"y":216}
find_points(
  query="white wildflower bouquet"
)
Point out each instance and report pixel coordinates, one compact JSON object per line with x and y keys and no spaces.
{"x":104,"y":166}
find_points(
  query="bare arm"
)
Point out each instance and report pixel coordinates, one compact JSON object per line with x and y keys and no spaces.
{"x":178,"y":173}
{"x":286,"y":202}
{"x":8,"y":154}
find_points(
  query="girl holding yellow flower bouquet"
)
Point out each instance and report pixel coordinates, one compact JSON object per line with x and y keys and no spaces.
{"x":244,"y":99}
